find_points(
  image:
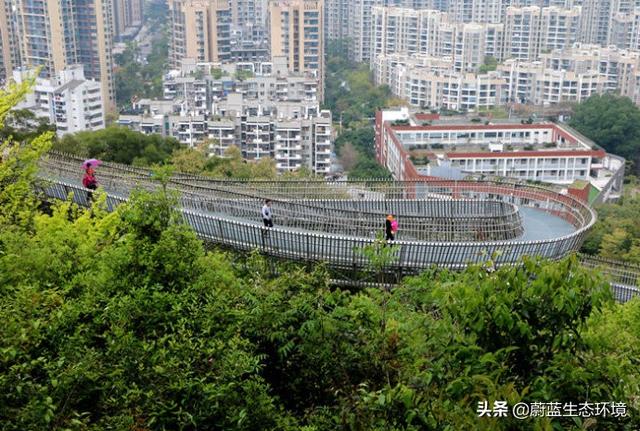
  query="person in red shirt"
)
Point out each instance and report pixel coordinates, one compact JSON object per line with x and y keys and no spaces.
{"x":89,"y":181}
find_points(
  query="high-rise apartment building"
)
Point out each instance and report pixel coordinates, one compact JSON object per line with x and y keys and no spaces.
{"x":55,"y":34}
{"x":597,"y":18}
{"x":405,"y":31}
{"x":431,"y":82}
{"x":479,"y":11}
{"x":127,"y":18}
{"x":532,"y":30}
{"x":360,"y":22}
{"x":296,"y":31}
{"x":336,"y":19}
{"x":532,"y":82}
{"x":360,"y":28}
{"x":200,"y":30}
{"x":9,"y":49}
{"x":625,"y":30}
{"x":250,"y":18}
{"x":618,"y":67}
{"x":559,"y":27}
{"x":522,"y":33}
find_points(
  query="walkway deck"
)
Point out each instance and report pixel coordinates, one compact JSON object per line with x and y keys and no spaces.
{"x":444,"y":223}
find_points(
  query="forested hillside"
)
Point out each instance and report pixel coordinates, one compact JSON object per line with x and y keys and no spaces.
{"x":125,"y":321}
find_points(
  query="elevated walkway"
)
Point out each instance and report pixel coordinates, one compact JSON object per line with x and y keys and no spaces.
{"x":446,"y":223}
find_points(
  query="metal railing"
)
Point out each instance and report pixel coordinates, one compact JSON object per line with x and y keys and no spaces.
{"x":343,"y":251}
{"x":423,"y":219}
{"x":322,"y":221}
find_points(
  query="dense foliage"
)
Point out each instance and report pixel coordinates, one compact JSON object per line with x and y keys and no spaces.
{"x":357,"y":154}
{"x":350,"y":92}
{"x":140,"y":79}
{"x":119,"y":144}
{"x":354,"y":99}
{"x":22,"y":125}
{"x":124,"y":321}
{"x":613,"y":122}
{"x":616,"y":234}
{"x":490,"y":64}
{"x":232,"y":165}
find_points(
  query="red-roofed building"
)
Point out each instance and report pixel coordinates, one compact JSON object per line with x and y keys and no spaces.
{"x":544,"y":151}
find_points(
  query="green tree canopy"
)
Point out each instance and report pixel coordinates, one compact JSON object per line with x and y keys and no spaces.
{"x":616,"y":234}
{"x":125,"y":321}
{"x":613,"y":122}
{"x":490,"y":64}
{"x":119,"y":144}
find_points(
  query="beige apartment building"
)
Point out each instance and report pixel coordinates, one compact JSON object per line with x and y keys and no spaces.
{"x":405,"y":31}
{"x":618,"y":67}
{"x":336,"y":19}
{"x":478,"y":11}
{"x":597,"y":19}
{"x":127,"y":17}
{"x":296,"y":31}
{"x":9,"y":54}
{"x":200,"y":30}
{"x":530,"y":31}
{"x":532,"y":82}
{"x":431,"y":82}
{"x":625,"y":30}
{"x":55,"y":34}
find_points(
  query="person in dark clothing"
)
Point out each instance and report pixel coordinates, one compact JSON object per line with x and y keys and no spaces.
{"x":267,"y":215}
{"x":389,"y":233}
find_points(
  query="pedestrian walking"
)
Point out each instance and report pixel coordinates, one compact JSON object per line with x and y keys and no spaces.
{"x":267,"y":215}
{"x":394,"y":227}
{"x":389,"y":231}
{"x":89,"y":180}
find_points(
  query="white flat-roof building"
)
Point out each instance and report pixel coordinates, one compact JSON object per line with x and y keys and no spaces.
{"x":69,"y":101}
{"x":545,"y":151}
{"x":532,"y":82}
{"x":432,"y":82}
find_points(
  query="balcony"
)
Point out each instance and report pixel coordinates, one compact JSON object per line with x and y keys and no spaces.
{"x":288,"y":146}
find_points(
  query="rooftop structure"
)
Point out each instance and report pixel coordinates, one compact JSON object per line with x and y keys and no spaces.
{"x":542,"y":152}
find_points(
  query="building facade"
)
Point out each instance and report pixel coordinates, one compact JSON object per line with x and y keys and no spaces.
{"x":432,"y":82}
{"x":296,"y":32}
{"x":478,"y":11}
{"x":55,"y":34}
{"x":398,"y":30}
{"x":273,"y":113}
{"x":69,"y":101}
{"x":533,"y":83}
{"x":127,"y":18}
{"x":9,"y":42}
{"x":200,"y":30}
{"x":336,"y":20}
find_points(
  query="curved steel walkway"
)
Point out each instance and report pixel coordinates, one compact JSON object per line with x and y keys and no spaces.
{"x":445,"y":223}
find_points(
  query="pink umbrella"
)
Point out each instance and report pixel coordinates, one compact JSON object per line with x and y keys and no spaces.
{"x":92,"y":162}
